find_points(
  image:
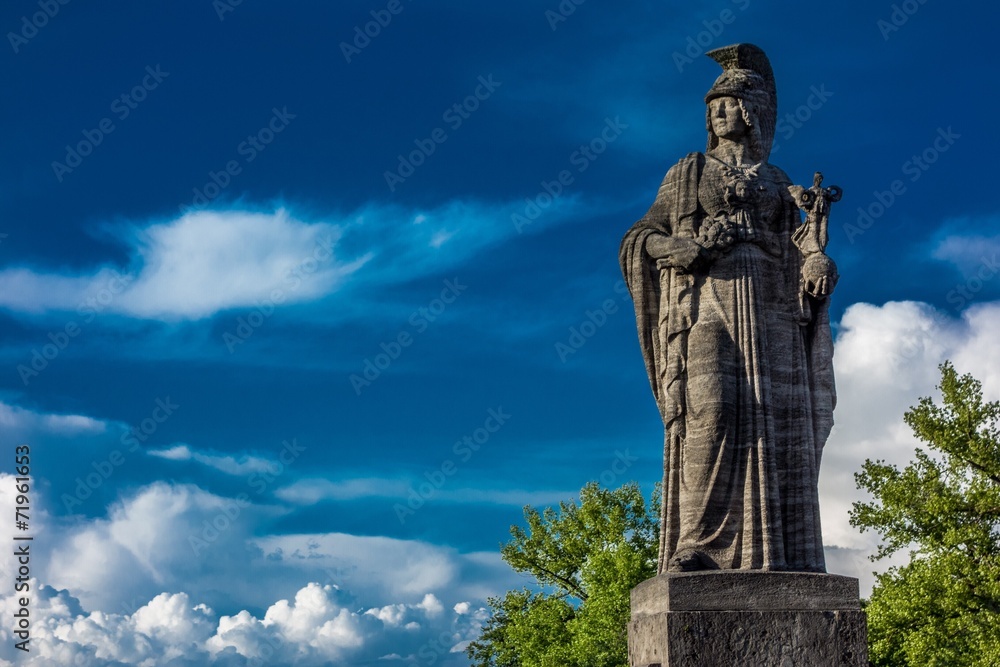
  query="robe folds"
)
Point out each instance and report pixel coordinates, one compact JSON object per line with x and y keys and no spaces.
{"x":739,"y":359}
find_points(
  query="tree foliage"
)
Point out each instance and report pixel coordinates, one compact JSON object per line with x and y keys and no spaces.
{"x":585,"y":559}
{"x":943,"y":608}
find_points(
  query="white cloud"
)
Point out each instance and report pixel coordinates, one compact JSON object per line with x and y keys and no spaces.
{"x":173,"y":620}
{"x":315,"y":619}
{"x":228,"y":464}
{"x":209,"y":261}
{"x":153,"y":596}
{"x":388,"y":566}
{"x":886,"y":359}
{"x":316,"y":628}
{"x":431,"y":605}
{"x":970,"y":252}
{"x":128,"y":589}
{"x":164,"y":536}
{"x":21,"y":421}
{"x":194,"y":266}
{"x":313,"y":490}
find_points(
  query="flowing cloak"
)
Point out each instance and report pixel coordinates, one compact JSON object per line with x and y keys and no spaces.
{"x":744,"y":490}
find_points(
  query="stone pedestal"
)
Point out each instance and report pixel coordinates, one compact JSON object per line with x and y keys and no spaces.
{"x":747,"y":618}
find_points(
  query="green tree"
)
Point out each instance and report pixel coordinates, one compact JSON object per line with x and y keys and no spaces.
{"x":584,"y":558}
{"x":943,"y":608}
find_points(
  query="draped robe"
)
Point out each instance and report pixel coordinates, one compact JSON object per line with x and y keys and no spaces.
{"x":740,"y":363}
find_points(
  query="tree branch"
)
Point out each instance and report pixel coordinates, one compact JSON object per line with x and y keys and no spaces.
{"x":570,"y":584}
{"x":983,"y":469}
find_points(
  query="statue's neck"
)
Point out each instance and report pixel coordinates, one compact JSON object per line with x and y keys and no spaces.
{"x":733,"y":152}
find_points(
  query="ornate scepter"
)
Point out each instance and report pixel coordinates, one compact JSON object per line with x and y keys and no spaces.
{"x":819,"y":272}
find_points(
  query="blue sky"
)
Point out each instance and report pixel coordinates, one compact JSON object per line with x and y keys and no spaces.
{"x":358,"y":294}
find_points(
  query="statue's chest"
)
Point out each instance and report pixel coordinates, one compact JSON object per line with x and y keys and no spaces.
{"x":726,"y":190}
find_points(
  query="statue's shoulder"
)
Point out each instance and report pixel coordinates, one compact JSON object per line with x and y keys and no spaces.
{"x":687,"y":167}
{"x":691,"y":160}
{"x":777,"y":174}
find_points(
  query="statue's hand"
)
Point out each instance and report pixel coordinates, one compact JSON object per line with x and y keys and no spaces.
{"x":675,"y":252}
{"x":819,"y":275}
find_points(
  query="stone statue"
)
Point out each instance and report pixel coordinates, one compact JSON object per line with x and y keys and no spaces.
{"x":731,"y":292}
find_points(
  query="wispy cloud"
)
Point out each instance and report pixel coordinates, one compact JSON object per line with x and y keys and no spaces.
{"x":966,"y":241}
{"x":230,"y":465}
{"x":205,"y":262}
{"x":192,"y":267}
{"x":17,"y":420}
{"x":315,"y":490}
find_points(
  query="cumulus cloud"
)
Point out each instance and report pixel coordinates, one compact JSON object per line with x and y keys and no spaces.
{"x":173,"y":570}
{"x":172,"y":574}
{"x":886,"y":358}
{"x":161,"y":535}
{"x":209,"y":261}
{"x":314,"y":629}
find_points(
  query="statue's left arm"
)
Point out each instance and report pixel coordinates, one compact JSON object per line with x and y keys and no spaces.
{"x":813,"y":275}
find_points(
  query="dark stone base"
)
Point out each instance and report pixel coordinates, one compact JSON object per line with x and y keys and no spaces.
{"x":737,"y":618}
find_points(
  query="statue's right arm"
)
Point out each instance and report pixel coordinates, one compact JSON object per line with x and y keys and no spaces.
{"x":677,"y":252}
{"x":666,"y":247}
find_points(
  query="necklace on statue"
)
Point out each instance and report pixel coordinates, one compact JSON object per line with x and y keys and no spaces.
{"x":741,"y":171}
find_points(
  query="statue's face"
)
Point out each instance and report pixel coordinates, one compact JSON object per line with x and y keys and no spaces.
{"x":727,"y":118}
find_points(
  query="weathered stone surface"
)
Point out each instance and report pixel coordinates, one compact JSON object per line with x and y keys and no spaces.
{"x":731,"y":290}
{"x":742,"y":590}
{"x":749,"y":639}
{"x":758,"y":619}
